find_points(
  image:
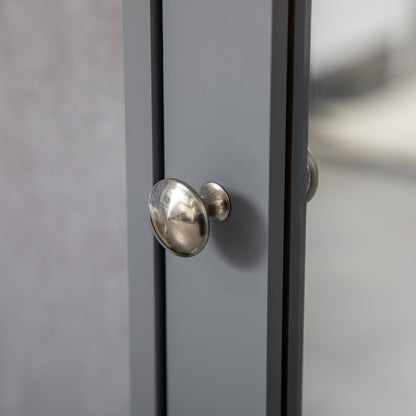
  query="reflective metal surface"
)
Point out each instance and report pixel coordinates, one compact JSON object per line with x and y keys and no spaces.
{"x":179,"y":215}
{"x":216,"y":201}
{"x":313,"y":176}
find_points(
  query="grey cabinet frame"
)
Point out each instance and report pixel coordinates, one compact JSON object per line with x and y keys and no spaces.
{"x":143,"y":28}
{"x":295,"y":204}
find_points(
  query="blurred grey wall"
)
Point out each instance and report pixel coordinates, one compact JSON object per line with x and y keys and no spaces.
{"x":63,"y":273}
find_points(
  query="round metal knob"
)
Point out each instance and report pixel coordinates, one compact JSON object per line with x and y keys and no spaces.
{"x":179,"y":215}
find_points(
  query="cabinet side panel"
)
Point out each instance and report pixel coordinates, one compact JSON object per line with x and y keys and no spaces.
{"x":296,"y":180}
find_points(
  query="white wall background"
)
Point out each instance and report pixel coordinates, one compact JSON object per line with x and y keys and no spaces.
{"x":63,"y":273}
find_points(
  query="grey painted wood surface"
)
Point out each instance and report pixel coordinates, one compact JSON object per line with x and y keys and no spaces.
{"x":139,"y":181}
{"x":217,"y":80}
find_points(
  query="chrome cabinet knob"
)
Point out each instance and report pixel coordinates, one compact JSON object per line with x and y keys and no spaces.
{"x":180,"y":216}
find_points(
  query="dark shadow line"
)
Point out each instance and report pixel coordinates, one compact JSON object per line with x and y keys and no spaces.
{"x":156,"y":38}
{"x":287,"y":209}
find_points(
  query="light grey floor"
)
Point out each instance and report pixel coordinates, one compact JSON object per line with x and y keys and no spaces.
{"x":360,"y":332}
{"x":63,"y":297}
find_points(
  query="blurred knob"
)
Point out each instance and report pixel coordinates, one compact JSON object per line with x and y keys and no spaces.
{"x":313,"y":176}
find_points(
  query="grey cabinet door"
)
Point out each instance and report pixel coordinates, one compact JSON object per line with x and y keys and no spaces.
{"x":217,"y":90}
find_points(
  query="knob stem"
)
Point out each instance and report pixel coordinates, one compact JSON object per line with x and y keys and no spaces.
{"x":216,"y":201}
